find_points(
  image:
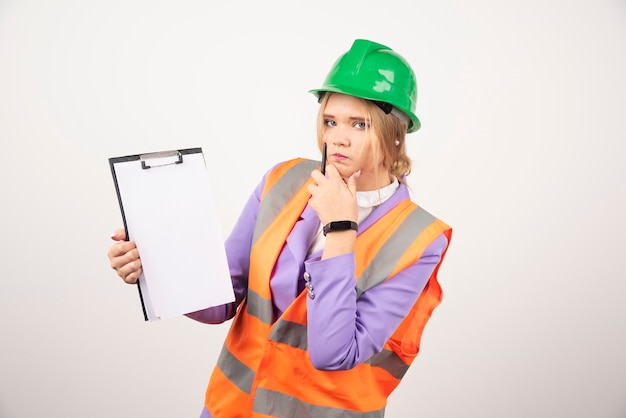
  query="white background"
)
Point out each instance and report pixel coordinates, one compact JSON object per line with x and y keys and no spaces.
{"x":521,"y":151}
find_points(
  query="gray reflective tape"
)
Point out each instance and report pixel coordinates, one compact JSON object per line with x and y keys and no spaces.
{"x":259,"y":307}
{"x":393,"y":249}
{"x":237,"y":372}
{"x":295,"y":335}
{"x":280,"y":405}
{"x":389,"y":361}
{"x":290,"y":333}
{"x":279,"y":195}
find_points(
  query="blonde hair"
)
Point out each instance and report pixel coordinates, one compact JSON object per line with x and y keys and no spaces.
{"x":387,"y":128}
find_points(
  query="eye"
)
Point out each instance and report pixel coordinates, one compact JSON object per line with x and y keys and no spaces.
{"x":360,"y":125}
{"x":330,"y":122}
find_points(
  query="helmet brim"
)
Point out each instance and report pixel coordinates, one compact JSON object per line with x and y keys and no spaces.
{"x":413,"y":126}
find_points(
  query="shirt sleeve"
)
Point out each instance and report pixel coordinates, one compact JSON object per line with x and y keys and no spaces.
{"x":343,"y":330}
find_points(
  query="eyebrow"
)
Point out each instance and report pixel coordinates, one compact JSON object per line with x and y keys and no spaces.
{"x":355,"y":118}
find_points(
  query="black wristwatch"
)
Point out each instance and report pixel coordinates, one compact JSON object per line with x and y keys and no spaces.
{"x":340,"y":226}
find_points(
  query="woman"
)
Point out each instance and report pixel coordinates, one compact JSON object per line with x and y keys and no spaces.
{"x":334,"y":274}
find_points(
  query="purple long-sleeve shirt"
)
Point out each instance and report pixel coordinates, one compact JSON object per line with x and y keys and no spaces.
{"x":343,"y":331}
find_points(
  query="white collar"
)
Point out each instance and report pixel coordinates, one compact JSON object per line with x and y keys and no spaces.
{"x":373,"y":198}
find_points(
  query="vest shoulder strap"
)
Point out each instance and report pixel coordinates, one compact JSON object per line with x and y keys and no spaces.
{"x":281,"y":185}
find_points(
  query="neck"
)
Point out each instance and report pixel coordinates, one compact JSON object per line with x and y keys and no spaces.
{"x":373,"y":181}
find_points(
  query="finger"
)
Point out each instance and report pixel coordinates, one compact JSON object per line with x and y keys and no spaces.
{"x":352,"y":182}
{"x":118,"y":235}
{"x":119,"y":263}
{"x":317,"y":175}
{"x":128,"y":266}
{"x":133,"y":277}
{"x":121,"y":248}
{"x":130,"y":273}
{"x":332,"y":171}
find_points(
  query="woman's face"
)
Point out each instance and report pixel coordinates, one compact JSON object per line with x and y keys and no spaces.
{"x":351,"y":142}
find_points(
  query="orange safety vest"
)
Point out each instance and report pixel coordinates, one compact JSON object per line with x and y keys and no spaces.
{"x":264,"y":369}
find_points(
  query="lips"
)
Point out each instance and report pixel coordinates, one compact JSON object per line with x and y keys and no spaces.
{"x":338,"y":156}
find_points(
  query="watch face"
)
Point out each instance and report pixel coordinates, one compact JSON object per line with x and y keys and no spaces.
{"x":340,"y":226}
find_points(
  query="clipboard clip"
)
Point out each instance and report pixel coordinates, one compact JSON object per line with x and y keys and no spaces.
{"x":166,"y":155}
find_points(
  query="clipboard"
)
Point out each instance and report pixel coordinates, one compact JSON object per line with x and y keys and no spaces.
{"x":168,"y":209}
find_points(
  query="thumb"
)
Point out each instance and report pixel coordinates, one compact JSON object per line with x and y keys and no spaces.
{"x":352,"y":182}
{"x":118,"y":235}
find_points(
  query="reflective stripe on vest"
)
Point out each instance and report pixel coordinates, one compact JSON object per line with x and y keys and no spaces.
{"x":276,"y":404}
{"x":280,"y":188}
{"x":388,"y":257}
{"x":276,"y":195}
{"x":284,"y":198}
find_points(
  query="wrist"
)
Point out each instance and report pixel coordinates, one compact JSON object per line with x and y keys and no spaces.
{"x":339,"y":243}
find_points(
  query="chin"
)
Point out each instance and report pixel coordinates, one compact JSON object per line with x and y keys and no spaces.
{"x":346,"y":172}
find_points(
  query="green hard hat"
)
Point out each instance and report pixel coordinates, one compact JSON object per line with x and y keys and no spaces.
{"x":375,"y":72}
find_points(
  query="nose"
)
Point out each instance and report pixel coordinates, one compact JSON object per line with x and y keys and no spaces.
{"x":339,"y":138}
